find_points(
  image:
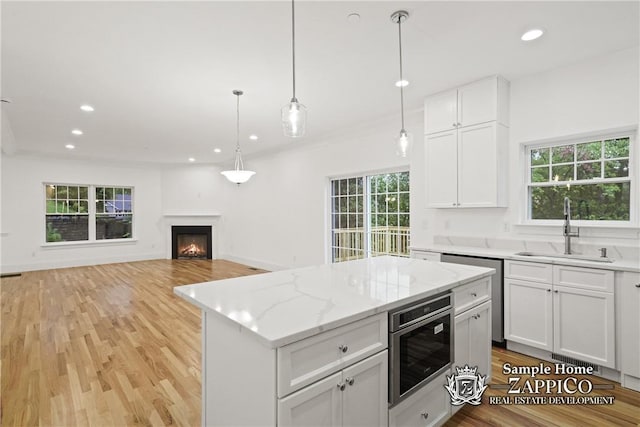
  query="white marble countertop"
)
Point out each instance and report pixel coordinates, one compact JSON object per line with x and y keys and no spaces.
{"x":286,"y":306}
{"x":617,"y":264}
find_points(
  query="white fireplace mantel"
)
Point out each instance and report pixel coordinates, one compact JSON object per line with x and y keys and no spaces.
{"x":194,"y":218}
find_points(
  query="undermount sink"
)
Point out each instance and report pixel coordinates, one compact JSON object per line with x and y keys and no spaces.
{"x":568,"y":256}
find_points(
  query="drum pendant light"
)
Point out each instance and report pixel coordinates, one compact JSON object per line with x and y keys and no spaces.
{"x":294,"y":114}
{"x":404,"y":141}
{"x":238,"y":175}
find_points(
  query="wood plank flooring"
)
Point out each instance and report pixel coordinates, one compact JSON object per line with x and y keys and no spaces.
{"x":111,"y":345}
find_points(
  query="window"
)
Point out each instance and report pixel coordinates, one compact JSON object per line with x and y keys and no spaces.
{"x":87,"y":213}
{"x":113,"y":213}
{"x":370,"y":216}
{"x":593,"y":173}
{"x":67,"y":213}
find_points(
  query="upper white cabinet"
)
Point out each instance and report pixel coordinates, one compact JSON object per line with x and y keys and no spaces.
{"x":466,"y":145}
{"x":478,"y":102}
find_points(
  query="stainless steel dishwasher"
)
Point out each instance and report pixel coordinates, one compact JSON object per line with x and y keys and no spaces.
{"x":497,"y":316}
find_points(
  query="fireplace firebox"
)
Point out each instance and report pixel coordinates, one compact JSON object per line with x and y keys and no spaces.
{"x":191,"y":242}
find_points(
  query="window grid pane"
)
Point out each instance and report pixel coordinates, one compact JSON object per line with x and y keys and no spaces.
{"x":594,"y":174}
{"x":381,"y":229}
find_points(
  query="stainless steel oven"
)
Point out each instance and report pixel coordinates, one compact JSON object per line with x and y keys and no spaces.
{"x":421,"y":344}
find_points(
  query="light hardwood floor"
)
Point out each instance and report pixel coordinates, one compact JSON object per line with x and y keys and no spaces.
{"x":112,"y":345}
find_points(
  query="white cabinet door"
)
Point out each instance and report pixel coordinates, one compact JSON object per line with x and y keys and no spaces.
{"x":364,"y":400}
{"x":480,"y":339}
{"x":584,"y":325}
{"x":472,"y":337}
{"x":442,"y":171}
{"x":528,"y":313}
{"x":629,"y":288}
{"x":477,"y":166}
{"x":477,"y":102}
{"x":319,"y":404}
{"x":440,"y":112}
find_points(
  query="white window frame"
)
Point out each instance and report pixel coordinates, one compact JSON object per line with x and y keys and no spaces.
{"x":366,"y":202}
{"x":92,"y":241}
{"x":631,"y":133}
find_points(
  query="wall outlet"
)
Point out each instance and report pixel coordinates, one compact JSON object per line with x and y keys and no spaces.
{"x":506,"y":227}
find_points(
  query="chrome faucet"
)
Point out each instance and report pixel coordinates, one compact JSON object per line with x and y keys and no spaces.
{"x":567,"y":232}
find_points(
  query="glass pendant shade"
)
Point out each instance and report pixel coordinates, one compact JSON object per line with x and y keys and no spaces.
{"x":404,"y":143}
{"x":294,"y":119}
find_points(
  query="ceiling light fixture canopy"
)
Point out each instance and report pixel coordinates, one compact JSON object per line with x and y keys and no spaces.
{"x":238,"y":175}
{"x":294,"y":114}
{"x":404,"y":141}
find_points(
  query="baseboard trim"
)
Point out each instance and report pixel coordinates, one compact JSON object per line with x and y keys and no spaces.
{"x":66,"y":263}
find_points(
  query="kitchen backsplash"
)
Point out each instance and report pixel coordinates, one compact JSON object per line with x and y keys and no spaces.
{"x":619,"y":252}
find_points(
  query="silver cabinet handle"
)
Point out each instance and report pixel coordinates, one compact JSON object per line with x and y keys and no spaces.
{"x":548,"y":290}
{"x":459,"y":124}
{"x":454,"y":124}
{"x":425,"y":415}
{"x":350,"y":380}
{"x":341,"y":386}
{"x":473,"y":294}
{"x":556,"y":291}
{"x":638,"y":285}
{"x":343,"y":348}
{"x":454,"y":204}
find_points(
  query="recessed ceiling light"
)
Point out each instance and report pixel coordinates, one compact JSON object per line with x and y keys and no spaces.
{"x":191,"y":159}
{"x":77,"y":132}
{"x":253,"y":137}
{"x":402,"y":83}
{"x":87,"y":108}
{"x":217,"y":150}
{"x":532,"y":34}
{"x":69,"y":146}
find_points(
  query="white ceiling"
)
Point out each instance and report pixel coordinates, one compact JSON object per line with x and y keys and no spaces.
{"x":160,"y":74}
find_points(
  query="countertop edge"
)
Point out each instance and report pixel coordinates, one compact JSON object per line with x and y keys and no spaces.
{"x":300,"y":335}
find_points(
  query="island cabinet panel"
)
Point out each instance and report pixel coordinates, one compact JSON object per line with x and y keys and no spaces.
{"x":429,"y":406}
{"x":305,"y":361}
{"x":355,"y":396}
{"x":238,"y":376}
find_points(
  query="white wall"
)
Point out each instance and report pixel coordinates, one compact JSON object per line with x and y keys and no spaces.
{"x":591,"y":96}
{"x":279,"y":218}
{"x":22,"y":221}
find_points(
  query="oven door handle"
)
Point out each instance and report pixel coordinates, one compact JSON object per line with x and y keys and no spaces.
{"x":422,"y":321}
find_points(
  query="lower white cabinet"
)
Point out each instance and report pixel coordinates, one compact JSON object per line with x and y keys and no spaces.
{"x":562,"y":316}
{"x":528,"y":313}
{"x":355,"y":396}
{"x":473,"y":341}
{"x":429,"y":406}
{"x":628,"y":284}
{"x":584,"y":325}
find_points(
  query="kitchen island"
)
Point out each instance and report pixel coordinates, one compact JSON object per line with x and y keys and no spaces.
{"x":282,"y":347}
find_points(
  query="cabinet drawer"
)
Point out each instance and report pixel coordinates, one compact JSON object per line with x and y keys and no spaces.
{"x":308,"y":360}
{"x":533,"y":271}
{"x":429,"y":256}
{"x":429,"y":406}
{"x":474,"y":293}
{"x":584,"y":278}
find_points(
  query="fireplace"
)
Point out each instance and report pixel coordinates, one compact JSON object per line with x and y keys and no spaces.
{"x":191,"y":242}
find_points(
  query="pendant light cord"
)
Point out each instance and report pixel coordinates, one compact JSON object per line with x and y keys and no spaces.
{"x":401,"y":80}
{"x":293,"y":46}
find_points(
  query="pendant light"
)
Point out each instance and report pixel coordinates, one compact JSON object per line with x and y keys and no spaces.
{"x":294,"y":114}
{"x":238,"y":175}
{"x":404,"y":141}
